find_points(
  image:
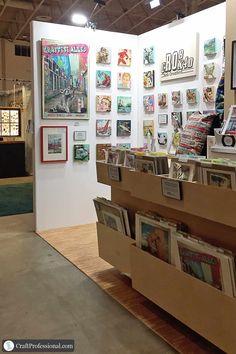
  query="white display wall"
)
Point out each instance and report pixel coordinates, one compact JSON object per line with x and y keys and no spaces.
{"x":208,"y":24}
{"x":64,"y":191}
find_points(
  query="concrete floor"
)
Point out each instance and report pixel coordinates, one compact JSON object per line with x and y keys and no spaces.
{"x":42,"y":295}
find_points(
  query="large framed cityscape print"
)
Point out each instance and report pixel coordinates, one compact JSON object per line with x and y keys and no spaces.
{"x":64,"y":80}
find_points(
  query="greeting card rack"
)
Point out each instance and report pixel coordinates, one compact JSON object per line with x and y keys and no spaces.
{"x":209,"y":213}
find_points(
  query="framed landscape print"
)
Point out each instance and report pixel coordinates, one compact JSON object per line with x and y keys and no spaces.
{"x":81,"y":152}
{"x":64,"y":80}
{"x":54,"y":143}
{"x":124,"y":104}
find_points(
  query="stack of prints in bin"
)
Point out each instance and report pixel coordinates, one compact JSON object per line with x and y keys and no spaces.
{"x":112,"y":215}
{"x":212,"y":265}
{"x":101,"y":151}
{"x":157,"y":235}
{"x":185,"y":169}
{"x":219,"y":173}
{"x":151,"y":162}
{"x":115,"y":156}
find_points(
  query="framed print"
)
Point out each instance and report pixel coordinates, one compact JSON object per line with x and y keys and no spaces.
{"x":162,"y":100}
{"x":124,"y":104}
{"x":103,"y":127}
{"x":103,"y":103}
{"x":163,"y":118}
{"x":210,"y":47}
{"x":124,"y":57}
{"x":230,"y":123}
{"x":103,"y":55}
{"x":103,"y":78}
{"x":124,"y":81}
{"x":209,"y":94}
{"x":192,"y":96}
{"x":148,"y":128}
{"x":219,"y":178}
{"x":162,"y":138}
{"x":148,"y":103}
{"x":182,"y":170}
{"x":81,"y":152}
{"x":148,"y":56}
{"x":123,"y":128}
{"x":209,"y":71}
{"x":54,"y":143}
{"x":80,"y":135}
{"x":64,"y":80}
{"x":176,"y":98}
{"x":149,"y":79}
{"x":233,"y":66}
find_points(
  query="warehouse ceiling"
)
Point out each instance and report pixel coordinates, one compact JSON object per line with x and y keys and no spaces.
{"x":127,"y":16}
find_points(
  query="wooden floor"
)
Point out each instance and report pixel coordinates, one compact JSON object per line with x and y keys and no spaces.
{"x":79,"y":246}
{"x":16,"y":180}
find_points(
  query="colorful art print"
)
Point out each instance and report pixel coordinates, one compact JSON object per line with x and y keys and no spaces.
{"x":103,"y":79}
{"x":123,"y":128}
{"x":124,"y":57}
{"x":148,"y":56}
{"x":162,"y":138}
{"x":103,"y":127}
{"x":103,"y":55}
{"x":54,"y":143}
{"x":145,"y":164}
{"x":163,"y":118}
{"x":162,"y":100}
{"x":124,"y":81}
{"x":124,"y":145}
{"x":182,"y":170}
{"x":80,"y":135}
{"x":129,"y":159}
{"x":219,"y":178}
{"x":81,"y":152}
{"x":101,"y":150}
{"x":124,"y":104}
{"x":192,"y":96}
{"x":209,"y":94}
{"x":209,"y":71}
{"x":149,"y":79}
{"x":148,"y":103}
{"x":103,"y":103}
{"x":230,"y":123}
{"x":148,"y":128}
{"x":176,"y":120}
{"x":175,"y":141}
{"x":210,"y":47}
{"x":64,"y":80}
{"x":154,"y":237}
{"x":176,"y":98}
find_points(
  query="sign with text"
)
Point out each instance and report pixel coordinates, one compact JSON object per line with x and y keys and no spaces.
{"x":171,"y":188}
{"x":114,"y":173}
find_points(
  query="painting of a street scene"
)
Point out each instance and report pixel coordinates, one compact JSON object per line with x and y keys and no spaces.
{"x":64,"y":80}
{"x":54,"y":143}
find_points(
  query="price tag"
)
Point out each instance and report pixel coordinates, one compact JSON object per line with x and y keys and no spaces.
{"x":114,"y":173}
{"x":171,"y":188}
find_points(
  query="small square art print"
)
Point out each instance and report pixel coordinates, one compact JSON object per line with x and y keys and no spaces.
{"x":210,"y":47}
{"x":176,"y":98}
{"x":148,"y":56}
{"x":103,"y":55}
{"x":209,"y":94}
{"x":123,"y":128}
{"x":163,"y":118}
{"x":103,"y":79}
{"x":149,"y":79}
{"x":191,"y":96}
{"x":103,"y":127}
{"x":162,"y":100}
{"x":124,"y":57}
{"x":124,"y":104}
{"x":176,"y":120}
{"x":209,"y":71}
{"x":103,"y":103}
{"x":124,"y":81}
{"x":81,"y":152}
{"x":162,"y":138}
{"x":148,"y":128}
{"x":148,"y":103}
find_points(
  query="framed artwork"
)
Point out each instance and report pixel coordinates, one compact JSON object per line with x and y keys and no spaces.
{"x":123,"y":128}
{"x":148,"y":103}
{"x":81,"y":152}
{"x":103,"y":79}
{"x":145,"y":164}
{"x":148,"y":56}
{"x":162,"y":100}
{"x":10,"y":122}
{"x":192,"y":96}
{"x":210,"y":47}
{"x":103,"y":127}
{"x":162,"y":138}
{"x":176,"y":98}
{"x":80,"y":135}
{"x":233,"y":66}
{"x":230,"y":124}
{"x":149,"y":79}
{"x":219,"y":178}
{"x":101,"y":151}
{"x":124,"y":104}
{"x":163,"y":118}
{"x":103,"y":55}
{"x":103,"y":103}
{"x":124,"y":81}
{"x":148,"y":127}
{"x":176,"y":120}
{"x":54,"y":143}
{"x":182,"y":170}
{"x":124,"y":57}
{"x":209,"y":71}
{"x":64,"y":80}
{"x":209,"y":94}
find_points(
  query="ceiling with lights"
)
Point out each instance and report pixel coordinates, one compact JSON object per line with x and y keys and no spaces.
{"x":127,"y":16}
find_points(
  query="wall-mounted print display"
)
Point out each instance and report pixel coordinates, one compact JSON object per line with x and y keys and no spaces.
{"x":162,"y":100}
{"x":103,"y":79}
{"x":103,"y":55}
{"x":81,"y":152}
{"x":124,"y":104}
{"x":124,"y":145}
{"x":148,"y":103}
{"x":80,"y":135}
{"x":209,"y":94}
{"x":176,"y":98}
{"x":64,"y":80}
{"x":180,"y":59}
{"x":124,"y":81}
{"x":124,"y":57}
{"x":103,"y":127}
{"x":192,"y":96}
{"x":123,"y":128}
{"x":176,"y":120}
{"x":148,"y":56}
{"x":54,"y":141}
{"x":163,"y":118}
{"x":103,"y":103}
{"x":148,"y":128}
{"x":10,"y":122}
{"x":101,"y":150}
{"x":162,"y":138}
{"x":210,"y":47}
{"x":149,"y":79}
{"x":209,"y":71}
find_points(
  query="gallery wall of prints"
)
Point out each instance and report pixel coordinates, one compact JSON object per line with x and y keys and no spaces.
{"x":208,"y":29}
{"x":64,"y":191}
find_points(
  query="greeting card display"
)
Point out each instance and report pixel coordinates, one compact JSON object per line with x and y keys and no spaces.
{"x":149,"y":79}
{"x":103,"y":103}
{"x":123,"y":128}
{"x":103,"y":55}
{"x":124,"y":57}
{"x":192,"y":96}
{"x":124,"y":104}
{"x":148,"y":103}
{"x":162,"y":100}
{"x":124,"y":80}
{"x":148,"y":56}
{"x":103,"y":127}
{"x":103,"y":79}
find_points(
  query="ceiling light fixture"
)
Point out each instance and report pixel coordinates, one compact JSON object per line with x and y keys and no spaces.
{"x":154,"y":3}
{"x":79,"y":19}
